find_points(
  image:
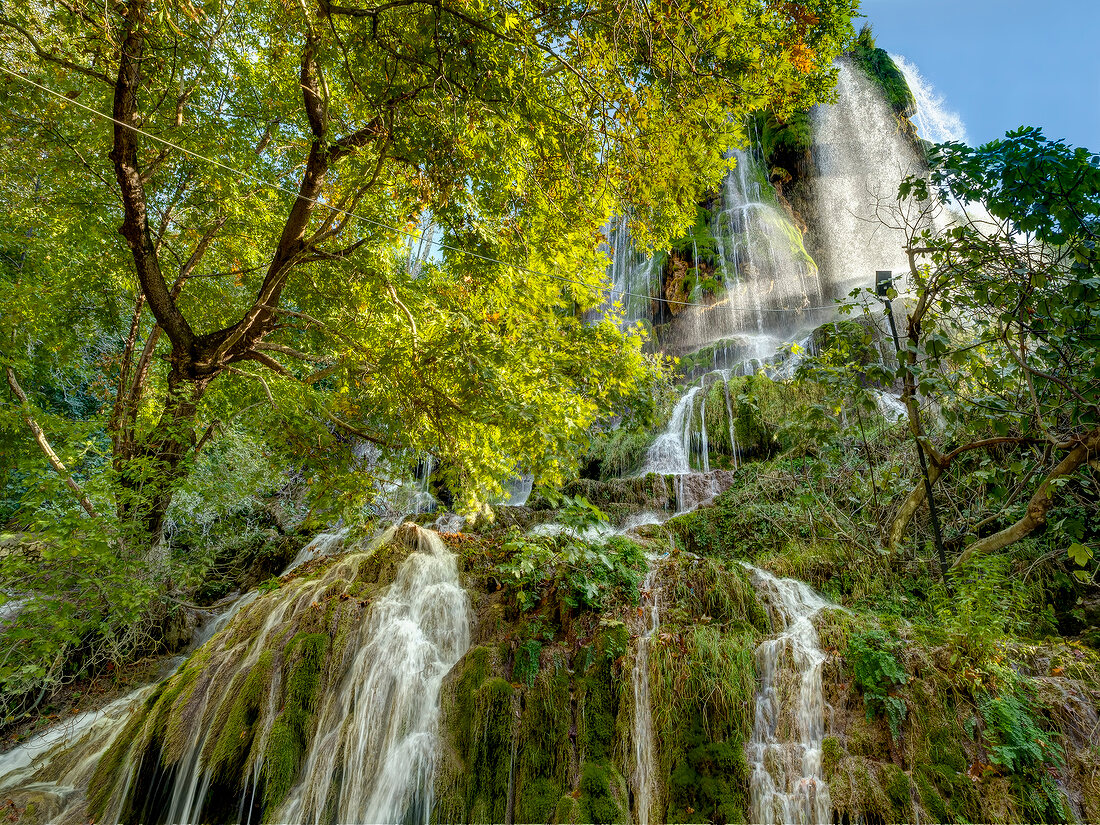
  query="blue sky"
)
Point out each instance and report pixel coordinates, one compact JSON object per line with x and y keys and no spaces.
{"x":1003,"y":63}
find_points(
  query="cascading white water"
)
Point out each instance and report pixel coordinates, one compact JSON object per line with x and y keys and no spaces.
{"x":669,"y":454}
{"x":634,"y":275}
{"x":644,"y":773}
{"x":704,"y":443}
{"x":517,"y":490}
{"x":56,"y":765}
{"x":735,"y":453}
{"x":764,"y":265}
{"x":784,"y":750}
{"x":374,"y":749}
{"x":372,"y":756}
{"x":323,"y":544}
{"x":862,"y":155}
{"x":934,"y":121}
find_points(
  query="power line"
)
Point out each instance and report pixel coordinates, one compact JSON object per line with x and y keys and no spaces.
{"x":286,"y":190}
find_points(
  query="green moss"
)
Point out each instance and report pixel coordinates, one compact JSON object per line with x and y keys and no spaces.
{"x":710,"y":782}
{"x":781,"y":138}
{"x":544,"y":748}
{"x":526,"y":666}
{"x":881,"y":69}
{"x":930,"y":797}
{"x":718,"y":590}
{"x":102,"y":785}
{"x":477,"y":727}
{"x":287,"y":742}
{"x":597,"y":803}
{"x":831,"y":752}
{"x":236,"y":725}
{"x":703,"y":682}
{"x":490,"y":755}
{"x":475,"y":669}
{"x":568,"y":811}
{"x":616,"y":454}
{"x":896,"y":784}
{"x":717,"y":421}
{"x":597,"y":699}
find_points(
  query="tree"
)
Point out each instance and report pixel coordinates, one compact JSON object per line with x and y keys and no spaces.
{"x":1005,"y":326}
{"x":518,"y":128}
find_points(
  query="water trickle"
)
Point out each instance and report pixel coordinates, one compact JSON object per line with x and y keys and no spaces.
{"x":644,"y":773}
{"x":735,"y":453}
{"x":784,"y":750}
{"x":634,"y":275}
{"x":517,"y":490}
{"x":56,"y":765}
{"x":323,"y":544}
{"x":704,"y":446}
{"x":376,"y":736}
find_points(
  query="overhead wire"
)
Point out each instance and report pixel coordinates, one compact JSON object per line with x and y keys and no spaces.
{"x":380,"y":224}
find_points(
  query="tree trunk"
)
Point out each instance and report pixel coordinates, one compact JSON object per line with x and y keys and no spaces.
{"x":909,"y":508}
{"x":152,"y":466}
{"x":44,"y":445}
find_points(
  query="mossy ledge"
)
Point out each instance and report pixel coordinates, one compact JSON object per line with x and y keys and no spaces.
{"x":243,"y":706}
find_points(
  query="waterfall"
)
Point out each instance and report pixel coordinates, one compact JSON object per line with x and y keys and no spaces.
{"x":862,"y":155}
{"x":57,"y":764}
{"x":934,"y":121}
{"x":517,"y":490}
{"x":770,"y":284}
{"x":670,"y":453}
{"x":369,"y":758}
{"x":645,"y":755}
{"x":374,"y":749}
{"x":764,"y":265}
{"x":323,"y":544}
{"x":730,"y":419}
{"x":704,"y":446}
{"x":634,"y":275}
{"x":784,"y":750}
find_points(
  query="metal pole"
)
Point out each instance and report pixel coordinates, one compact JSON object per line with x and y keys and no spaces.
{"x":882,"y":284}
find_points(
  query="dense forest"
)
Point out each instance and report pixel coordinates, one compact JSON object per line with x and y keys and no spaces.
{"x":477,"y":411}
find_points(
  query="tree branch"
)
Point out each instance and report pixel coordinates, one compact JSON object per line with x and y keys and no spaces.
{"x":44,"y":445}
{"x":42,"y":54}
{"x":1041,"y":502}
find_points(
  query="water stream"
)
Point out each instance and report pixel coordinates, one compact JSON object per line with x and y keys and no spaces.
{"x":644,"y":747}
{"x":376,"y":734}
{"x":862,"y":156}
{"x":784,"y":750}
{"x":934,"y":121}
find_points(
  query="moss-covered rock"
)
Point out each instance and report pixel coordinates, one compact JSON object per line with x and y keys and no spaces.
{"x":880,"y":68}
{"x":602,"y":795}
